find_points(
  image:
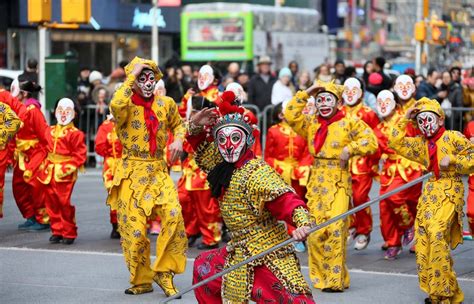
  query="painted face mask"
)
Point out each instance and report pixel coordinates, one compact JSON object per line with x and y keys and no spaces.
{"x":310,"y":108}
{"x":385,"y":103}
{"x":205,"y":77}
{"x":326,"y":104}
{"x":65,"y":111}
{"x":352,"y":91}
{"x":146,"y":83}
{"x":231,"y":142}
{"x":404,"y":87}
{"x":238,"y":90}
{"x":428,"y":123}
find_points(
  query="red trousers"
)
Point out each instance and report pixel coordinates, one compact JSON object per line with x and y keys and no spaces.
{"x":266,"y":286}
{"x":362,"y":220}
{"x":470,"y":204}
{"x":201,"y":214}
{"x":398,"y":212}
{"x":29,"y":197}
{"x":3,"y":169}
{"x":61,"y":212}
{"x":113,"y":216}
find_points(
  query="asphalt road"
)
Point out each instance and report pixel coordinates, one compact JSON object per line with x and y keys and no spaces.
{"x":93,"y":271}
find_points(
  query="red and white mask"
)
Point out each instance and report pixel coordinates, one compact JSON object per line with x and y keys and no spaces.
{"x":146,"y":83}
{"x":238,"y":90}
{"x":231,"y":142}
{"x":326,"y":104}
{"x":385,"y":103}
{"x":428,"y":123}
{"x":65,"y":111}
{"x":205,"y":77}
{"x":352,"y":91}
{"x":404,"y":87}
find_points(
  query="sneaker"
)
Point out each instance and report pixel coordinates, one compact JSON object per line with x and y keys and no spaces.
{"x":361,"y":241}
{"x":392,"y":253}
{"x":28,"y":223}
{"x":114,"y":234}
{"x":467,"y":236}
{"x":299,"y":247}
{"x":55,"y":239}
{"x":408,"y":236}
{"x":192,"y":240}
{"x":412,"y":249}
{"x":155,"y":228}
{"x":203,"y":246}
{"x":165,"y":281}
{"x":38,"y":227}
{"x":384,"y":247}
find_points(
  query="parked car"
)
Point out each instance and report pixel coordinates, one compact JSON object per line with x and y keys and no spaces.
{"x":7,"y":77}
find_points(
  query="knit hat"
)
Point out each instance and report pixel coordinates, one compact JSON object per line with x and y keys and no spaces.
{"x":284,"y":72}
{"x":95,"y":75}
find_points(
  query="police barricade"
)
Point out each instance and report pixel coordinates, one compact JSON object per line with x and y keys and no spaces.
{"x":89,"y":122}
{"x":456,"y":118}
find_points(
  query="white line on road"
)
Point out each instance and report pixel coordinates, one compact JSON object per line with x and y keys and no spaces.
{"x":99,"y":253}
{"x":59,"y":286}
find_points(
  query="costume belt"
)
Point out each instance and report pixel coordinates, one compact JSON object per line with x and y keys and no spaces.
{"x":25,"y":144}
{"x":58,"y":158}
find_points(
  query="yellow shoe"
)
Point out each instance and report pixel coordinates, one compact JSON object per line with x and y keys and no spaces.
{"x":139,"y":289}
{"x":165,"y":281}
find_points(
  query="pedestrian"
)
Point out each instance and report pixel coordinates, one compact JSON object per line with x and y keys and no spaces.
{"x":379,"y":65}
{"x":83,"y":87}
{"x":368,"y":69}
{"x":456,"y":74}
{"x":332,"y":139}
{"x":304,"y":81}
{"x":142,"y":188}
{"x":419,"y":79}
{"x":339,"y":72}
{"x":294,"y":68}
{"x":30,"y":73}
{"x":397,"y":212}
{"x":287,"y":153}
{"x":454,"y":99}
{"x":67,"y":153}
{"x":260,"y":85}
{"x":428,"y":87}
{"x":233,"y":71}
{"x":243,"y":79}
{"x":322,"y":73}
{"x":281,"y":91}
{"x":176,"y":85}
{"x":375,"y":83}
{"x":438,"y":224}
{"x":361,"y":167}
{"x":469,"y":133}
{"x":30,"y":151}
{"x":468,"y":98}
{"x":109,"y":147}
{"x":252,"y":198}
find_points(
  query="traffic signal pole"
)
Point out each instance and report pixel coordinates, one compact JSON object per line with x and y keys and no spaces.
{"x":154,"y":34}
{"x":418,"y":49}
{"x":44,"y":51}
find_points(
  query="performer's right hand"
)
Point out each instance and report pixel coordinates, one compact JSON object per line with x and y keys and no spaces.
{"x":204,"y":117}
{"x":411,"y":113}
{"x":137,"y":69}
{"x":314,"y":89}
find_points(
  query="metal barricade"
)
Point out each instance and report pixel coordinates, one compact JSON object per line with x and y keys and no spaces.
{"x":89,"y":122}
{"x":456,"y":118}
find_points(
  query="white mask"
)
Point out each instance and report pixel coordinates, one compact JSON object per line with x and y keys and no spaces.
{"x":146,"y":83}
{"x":310,"y":108}
{"x":65,"y":111}
{"x":352,"y":91}
{"x":205,"y":77}
{"x":385,"y":103}
{"x":160,"y":89}
{"x":15,"y":88}
{"x":404,"y":87}
{"x":231,"y":142}
{"x":326,"y":104}
{"x":238,"y":90}
{"x":428,"y":123}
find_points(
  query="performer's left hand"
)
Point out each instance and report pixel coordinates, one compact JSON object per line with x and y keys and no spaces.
{"x":344,"y":157}
{"x":444,"y":163}
{"x":176,"y":148}
{"x":301,"y":233}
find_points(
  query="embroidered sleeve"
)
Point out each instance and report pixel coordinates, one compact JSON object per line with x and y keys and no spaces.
{"x":413,"y":148}
{"x":9,"y":124}
{"x":301,"y":217}
{"x":207,"y":155}
{"x":463,"y":158}
{"x":363,"y":139}
{"x":294,"y":114}
{"x":122,"y":100}
{"x":175,"y":121}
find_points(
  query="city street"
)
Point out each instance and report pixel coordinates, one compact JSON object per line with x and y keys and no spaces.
{"x":93,"y":270}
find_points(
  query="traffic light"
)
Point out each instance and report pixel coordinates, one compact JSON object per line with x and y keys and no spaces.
{"x":76,"y":11}
{"x":39,"y":11}
{"x":420,"y":31}
{"x":439,"y":32}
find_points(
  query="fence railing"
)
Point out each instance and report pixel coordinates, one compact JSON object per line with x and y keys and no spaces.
{"x":90,"y":120}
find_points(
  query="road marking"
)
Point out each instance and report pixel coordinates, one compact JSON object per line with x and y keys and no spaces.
{"x":99,"y":253}
{"x":59,"y":286}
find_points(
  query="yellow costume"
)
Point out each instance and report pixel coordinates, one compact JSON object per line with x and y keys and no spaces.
{"x":142,"y":188}
{"x":438,"y":224}
{"x":9,"y":124}
{"x":329,"y":187}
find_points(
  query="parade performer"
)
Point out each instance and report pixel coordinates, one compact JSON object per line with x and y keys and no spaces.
{"x":469,"y":133}
{"x":252,"y":198}
{"x":109,"y":147}
{"x":67,"y":153}
{"x":30,"y":151}
{"x":396,"y":216}
{"x":200,"y":210}
{"x":361,"y":167}
{"x":332,"y":139}
{"x":438,"y":224}
{"x":6,"y":152}
{"x":142,"y":188}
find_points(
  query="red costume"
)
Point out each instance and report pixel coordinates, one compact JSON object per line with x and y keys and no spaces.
{"x":469,"y":132}
{"x":362,"y":172}
{"x":7,"y":152}
{"x":211,"y":93}
{"x":67,"y":153}
{"x":398,"y":212}
{"x":109,"y":147}
{"x":30,"y":151}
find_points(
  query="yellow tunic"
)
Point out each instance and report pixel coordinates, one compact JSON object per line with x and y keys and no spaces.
{"x":439,"y":218}
{"x":9,"y":124}
{"x":142,"y":187}
{"x":329,"y":189}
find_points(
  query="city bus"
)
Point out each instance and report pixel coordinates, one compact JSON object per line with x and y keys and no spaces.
{"x":244,"y":32}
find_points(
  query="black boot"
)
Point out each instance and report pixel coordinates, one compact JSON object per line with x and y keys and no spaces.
{"x":68,"y":241}
{"x":192,"y":240}
{"x":203,"y":246}
{"x":114,"y":234}
{"x":55,"y":239}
